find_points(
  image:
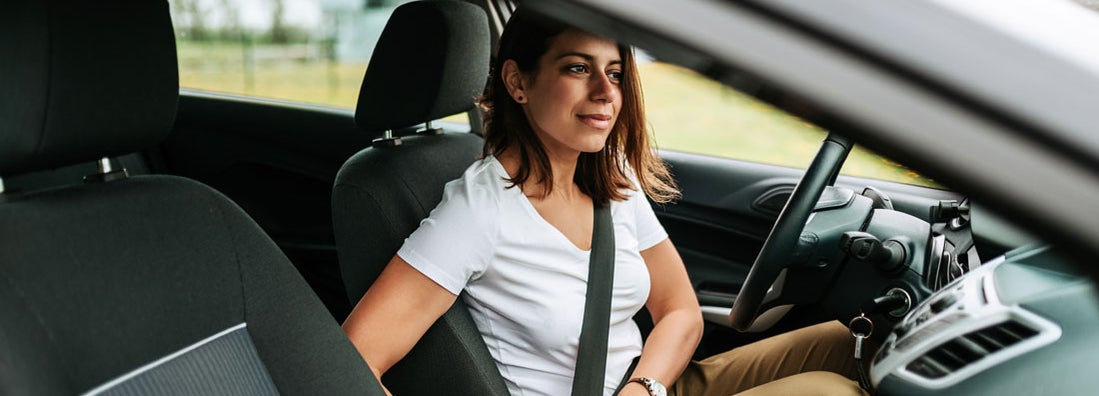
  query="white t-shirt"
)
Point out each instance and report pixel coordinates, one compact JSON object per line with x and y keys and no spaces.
{"x":525,"y":282}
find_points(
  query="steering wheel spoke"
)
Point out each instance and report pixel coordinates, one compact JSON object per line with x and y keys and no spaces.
{"x":782,"y":242}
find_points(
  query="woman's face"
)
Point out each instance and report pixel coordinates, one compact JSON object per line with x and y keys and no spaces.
{"x":572,"y":100}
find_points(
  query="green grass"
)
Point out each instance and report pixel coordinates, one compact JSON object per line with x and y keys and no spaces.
{"x":279,"y":72}
{"x":686,"y":112}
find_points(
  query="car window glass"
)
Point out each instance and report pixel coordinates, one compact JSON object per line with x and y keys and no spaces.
{"x":691,"y":113}
{"x":310,"y":51}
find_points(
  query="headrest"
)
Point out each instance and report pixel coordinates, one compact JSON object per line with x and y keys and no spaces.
{"x":431,"y":61}
{"x":83,"y":79}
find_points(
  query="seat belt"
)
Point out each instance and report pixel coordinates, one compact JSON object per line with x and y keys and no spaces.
{"x":591,"y":358}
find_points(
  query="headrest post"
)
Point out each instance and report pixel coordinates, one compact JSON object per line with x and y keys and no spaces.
{"x":104,"y":165}
{"x":428,"y":130}
{"x":387,"y":140}
{"x":106,"y":172}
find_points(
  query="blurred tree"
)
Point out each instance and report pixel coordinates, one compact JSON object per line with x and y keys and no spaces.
{"x":194,"y":18}
{"x":231,"y":27}
{"x":279,"y":34}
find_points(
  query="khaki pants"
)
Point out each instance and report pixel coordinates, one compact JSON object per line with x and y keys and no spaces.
{"x":816,"y":360}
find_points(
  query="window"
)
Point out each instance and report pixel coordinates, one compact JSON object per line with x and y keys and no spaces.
{"x":282,"y":49}
{"x":310,"y":51}
{"x":691,"y":113}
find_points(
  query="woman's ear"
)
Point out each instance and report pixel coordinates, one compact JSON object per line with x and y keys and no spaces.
{"x":514,"y":81}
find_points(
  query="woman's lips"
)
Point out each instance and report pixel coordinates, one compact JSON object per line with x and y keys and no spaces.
{"x":597,"y":121}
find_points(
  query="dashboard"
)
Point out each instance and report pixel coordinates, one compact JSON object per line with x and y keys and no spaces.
{"x":1022,"y":323}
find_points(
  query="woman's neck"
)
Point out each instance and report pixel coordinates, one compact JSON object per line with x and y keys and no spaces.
{"x":562,"y":166}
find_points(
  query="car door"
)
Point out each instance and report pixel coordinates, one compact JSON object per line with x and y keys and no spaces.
{"x":266,"y":115}
{"x":278,"y":162}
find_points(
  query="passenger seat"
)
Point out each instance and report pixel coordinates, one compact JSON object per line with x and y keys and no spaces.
{"x":135,"y":284}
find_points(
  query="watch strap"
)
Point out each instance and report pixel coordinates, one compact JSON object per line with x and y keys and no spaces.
{"x":652,"y":385}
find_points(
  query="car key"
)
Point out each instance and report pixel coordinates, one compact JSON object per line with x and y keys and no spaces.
{"x":861,"y":328}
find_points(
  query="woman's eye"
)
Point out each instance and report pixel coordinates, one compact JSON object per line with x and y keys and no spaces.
{"x":577,"y":68}
{"x":615,"y":75}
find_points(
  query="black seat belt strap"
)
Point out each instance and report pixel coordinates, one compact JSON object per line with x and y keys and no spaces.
{"x":591,"y":359}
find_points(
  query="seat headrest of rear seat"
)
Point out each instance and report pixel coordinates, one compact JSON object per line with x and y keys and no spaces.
{"x":431,"y":61}
{"x":83,"y":80}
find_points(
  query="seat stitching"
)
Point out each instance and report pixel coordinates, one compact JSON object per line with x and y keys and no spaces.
{"x":412,"y":192}
{"x":236,"y":252}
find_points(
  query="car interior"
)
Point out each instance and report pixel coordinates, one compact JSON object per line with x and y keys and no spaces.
{"x":165,"y":240}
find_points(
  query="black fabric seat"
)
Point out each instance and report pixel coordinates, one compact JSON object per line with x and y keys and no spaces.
{"x":382,"y":192}
{"x":145,"y":284}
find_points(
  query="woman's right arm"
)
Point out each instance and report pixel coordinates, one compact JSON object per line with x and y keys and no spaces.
{"x":394,"y":313}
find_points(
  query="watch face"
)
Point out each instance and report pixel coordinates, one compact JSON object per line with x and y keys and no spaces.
{"x":657,"y":390}
{"x":655,"y":387}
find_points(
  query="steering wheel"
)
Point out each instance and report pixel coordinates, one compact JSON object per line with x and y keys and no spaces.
{"x":781,"y":243}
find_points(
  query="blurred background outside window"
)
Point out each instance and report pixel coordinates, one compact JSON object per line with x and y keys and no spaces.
{"x":316,"y":51}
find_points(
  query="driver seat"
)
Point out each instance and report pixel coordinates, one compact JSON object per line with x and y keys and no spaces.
{"x":383,"y":192}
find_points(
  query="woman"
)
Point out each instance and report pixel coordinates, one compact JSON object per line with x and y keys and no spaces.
{"x":565,"y":132}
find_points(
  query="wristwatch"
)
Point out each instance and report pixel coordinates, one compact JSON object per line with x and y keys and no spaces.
{"x":655,"y":388}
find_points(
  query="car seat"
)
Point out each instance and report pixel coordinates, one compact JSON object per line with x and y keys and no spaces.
{"x":431,"y":61}
{"x":135,"y":285}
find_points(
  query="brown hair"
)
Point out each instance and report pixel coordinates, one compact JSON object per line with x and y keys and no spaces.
{"x":601,"y":175}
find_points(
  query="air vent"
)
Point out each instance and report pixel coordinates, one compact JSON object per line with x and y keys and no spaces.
{"x":960,"y":352}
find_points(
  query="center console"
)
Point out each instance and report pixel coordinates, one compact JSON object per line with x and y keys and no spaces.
{"x":963,"y":329}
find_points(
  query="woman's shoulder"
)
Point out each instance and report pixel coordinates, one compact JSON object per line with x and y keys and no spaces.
{"x":484,"y":172}
{"x":481,"y":181}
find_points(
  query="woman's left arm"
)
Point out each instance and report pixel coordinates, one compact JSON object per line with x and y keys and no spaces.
{"x":676,"y":315}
